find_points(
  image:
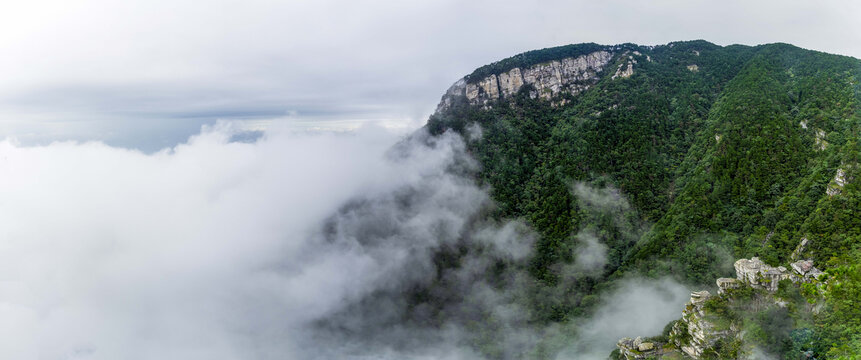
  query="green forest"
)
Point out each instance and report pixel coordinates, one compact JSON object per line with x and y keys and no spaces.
{"x":735,"y":158}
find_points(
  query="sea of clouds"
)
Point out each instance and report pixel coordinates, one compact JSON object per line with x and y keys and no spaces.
{"x":289,"y":246}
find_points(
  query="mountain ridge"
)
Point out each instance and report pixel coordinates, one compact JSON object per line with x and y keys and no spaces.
{"x":726,"y":152}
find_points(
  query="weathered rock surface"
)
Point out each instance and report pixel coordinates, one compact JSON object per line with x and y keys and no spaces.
{"x":799,"y":249}
{"x":510,"y":82}
{"x":725,"y":284}
{"x":625,"y":69}
{"x":838,"y":184}
{"x":760,"y":275}
{"x":646,"y":346}
{"x":633,"y":349}
{"x":695,"y":332}
{"x":569,"y":75}
{"x":701,"y":333}
{"x":805,"y":269}
{"x":820,"y":143}
{"x":457,"y":89}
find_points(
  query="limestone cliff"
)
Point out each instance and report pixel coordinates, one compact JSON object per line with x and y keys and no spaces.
{"x":568,"y":75}
{"x":696,"y":332}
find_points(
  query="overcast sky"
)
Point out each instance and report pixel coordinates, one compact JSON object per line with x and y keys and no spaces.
{"x":146,"y":74}
{"x":215,"y":249}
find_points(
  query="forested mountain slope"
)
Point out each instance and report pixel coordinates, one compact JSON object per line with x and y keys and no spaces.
{"x":721,"y":152}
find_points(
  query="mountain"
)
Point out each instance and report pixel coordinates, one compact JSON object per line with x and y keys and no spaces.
{"x":677,"y":160}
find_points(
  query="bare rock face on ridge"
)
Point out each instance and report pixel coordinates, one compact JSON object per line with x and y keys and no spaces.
{"x":569,"y":75}
{"x":694,"y":326}
{"x":760,"y":275}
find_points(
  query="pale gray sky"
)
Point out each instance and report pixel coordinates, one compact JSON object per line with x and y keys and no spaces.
{"x":145,"y":73}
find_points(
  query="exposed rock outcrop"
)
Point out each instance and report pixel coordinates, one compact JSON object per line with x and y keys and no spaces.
{"x":625,"y":69}
{"x":697,"y":331}
{"x":725,"y":284}
{"x":796,"y":254}
{"x":693,"y":334}
{"x":760,"y":275}
{"x":819,"y":140}
{"x":569,"y":75}
{"x":456,"y":89}
{"x":838,"y":183}
{"x":638,"y":349}
{"x":805,"y":270}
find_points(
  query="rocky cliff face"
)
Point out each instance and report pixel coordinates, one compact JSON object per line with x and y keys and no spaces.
{"x":760,"y":275}
{"x":697,"y":331}
{"x":569,"y":75}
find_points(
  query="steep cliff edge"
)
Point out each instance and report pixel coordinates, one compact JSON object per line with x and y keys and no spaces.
{"x":713,"y":326}
{"x":569,"y":75}
{"x":705,"y":152}
{"x":547,"y":77}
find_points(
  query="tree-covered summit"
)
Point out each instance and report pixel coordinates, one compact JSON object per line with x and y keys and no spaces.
{"x":722,"y":152}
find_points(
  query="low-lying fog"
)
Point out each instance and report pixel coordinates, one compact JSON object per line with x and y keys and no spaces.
{"x":293,"y":246}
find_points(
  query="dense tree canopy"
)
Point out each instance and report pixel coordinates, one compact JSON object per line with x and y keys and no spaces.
{"x":733,"y":159}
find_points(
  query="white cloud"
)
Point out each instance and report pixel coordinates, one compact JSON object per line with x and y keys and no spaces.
{"x":591,"y":255}
{"x":212,"y":249}
{"x":636,"y":307}
{"x":294,"y":246}
{"x":204,"y":251}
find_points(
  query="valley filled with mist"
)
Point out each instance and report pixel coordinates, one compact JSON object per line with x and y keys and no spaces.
{"x":683,"y":200}
{"x":220,"y":250}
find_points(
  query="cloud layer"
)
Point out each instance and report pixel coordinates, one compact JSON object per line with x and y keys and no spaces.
{"x":635,"y":307}
{"x":280,"y":248}
{"x":203,"y":251}
{"x":291,"y":246}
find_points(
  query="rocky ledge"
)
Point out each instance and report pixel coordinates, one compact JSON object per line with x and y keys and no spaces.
{"x":760,"y":275}
{"x":639,"y":349}
{"x":696,"y":331}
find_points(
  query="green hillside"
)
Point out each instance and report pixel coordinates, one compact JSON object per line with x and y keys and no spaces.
{"x":721,"y":152}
